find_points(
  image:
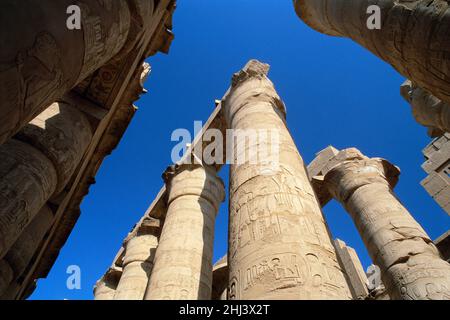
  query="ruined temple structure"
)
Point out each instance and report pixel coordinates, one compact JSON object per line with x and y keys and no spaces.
{"x":414,"y":39}
{"x":279,"y":245}
{"x":66,"y":99}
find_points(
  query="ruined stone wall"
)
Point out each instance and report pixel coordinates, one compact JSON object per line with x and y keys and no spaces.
{"x":437,"y":165}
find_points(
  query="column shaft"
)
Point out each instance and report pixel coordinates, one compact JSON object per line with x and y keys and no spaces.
{"x":44,"y":59}
{"x":27,"y":180}
{"x":279,"y":243}
{"x":412,"y":37}
{"x":137,"y":267}
{"x":183,"y":261}
{"x":62,"y":133}
{"x":37,"y":164}
{"x":19,"y":256}
{"x":411,"y":267}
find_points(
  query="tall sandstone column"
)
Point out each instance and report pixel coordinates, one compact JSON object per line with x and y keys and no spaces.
{"x":183,"y":261}
{"x":414,"y":35}
{"x":42,"y":59}
{"x":279,"y":243}
{"x":37,"y":164}
{"x":21,"y":253}
{"x":411,"y":267}
{"x":138,"y":262}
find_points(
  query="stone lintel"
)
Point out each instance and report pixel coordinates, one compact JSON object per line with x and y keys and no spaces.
{"x":330,"y":158}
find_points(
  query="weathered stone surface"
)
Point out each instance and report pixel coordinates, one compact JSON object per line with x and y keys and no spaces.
{"x":27,"y":180}
{"x":6,"y":276}
{"x":315,"y":173}
{"x":62,"y":133}
{"x":427,"y":109}
{"x":379,"y":293}
{"x":414,"y":37}
{"x":45,"y":59}
{"x":19,"y":256}
{"x":411,"y":267}
{"x":279,"y":243}
{"x":111,"y":91}
{"x":443,"y":244}
{"x":220,"y":280}
{"x":138,"y":262}
{"x":321,"y":160}
{"x":46,"y":151}
{"x":437,"y":165}
{"x":353,"y":268}
{"x":183,"y":260}
{"x":105,"y":288}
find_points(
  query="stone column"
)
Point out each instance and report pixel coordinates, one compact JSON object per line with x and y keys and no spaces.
{"x":279,"y":243}
{"x":105,"y":288}
{"x":37,"y":164}
{"x":44,"y":59}
{"x":409,"y":37}
{"x":353,"y":268}
{"x":411,"y":267}
{"x":183,"y":261}
{"x":19,"y":256}
{"x":138,"y":262}
{"x":428,"y":110}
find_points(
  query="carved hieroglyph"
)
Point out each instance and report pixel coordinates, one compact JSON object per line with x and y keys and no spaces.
{"x":27,"y":180}
{"x":138,"y":262}
{"x":62,"y":133}
{"x":16,"y":260}
{"x":279,"y":243}
{"x":44,"y":59}
{"x":427,"y":109}
{"x":413,"y":36}
{"x":411,"y":267}
{"x":183,"y":261}
{"x":38,"y":166}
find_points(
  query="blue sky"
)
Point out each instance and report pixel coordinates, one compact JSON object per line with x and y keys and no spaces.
{"x":336,"y":93}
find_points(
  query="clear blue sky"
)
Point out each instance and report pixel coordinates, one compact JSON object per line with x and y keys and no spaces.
{"x":335,"y":91}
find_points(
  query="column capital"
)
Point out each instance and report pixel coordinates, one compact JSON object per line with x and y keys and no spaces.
{"x":148,"y":227}
{"x":173,"y":170}
{"x":251,"y":82}
{"x":112,"y":275}
{"x":350,"y":170}
{"x":427,"y":110}
{"x":194,"y":179}
{"x":253,"y":69}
